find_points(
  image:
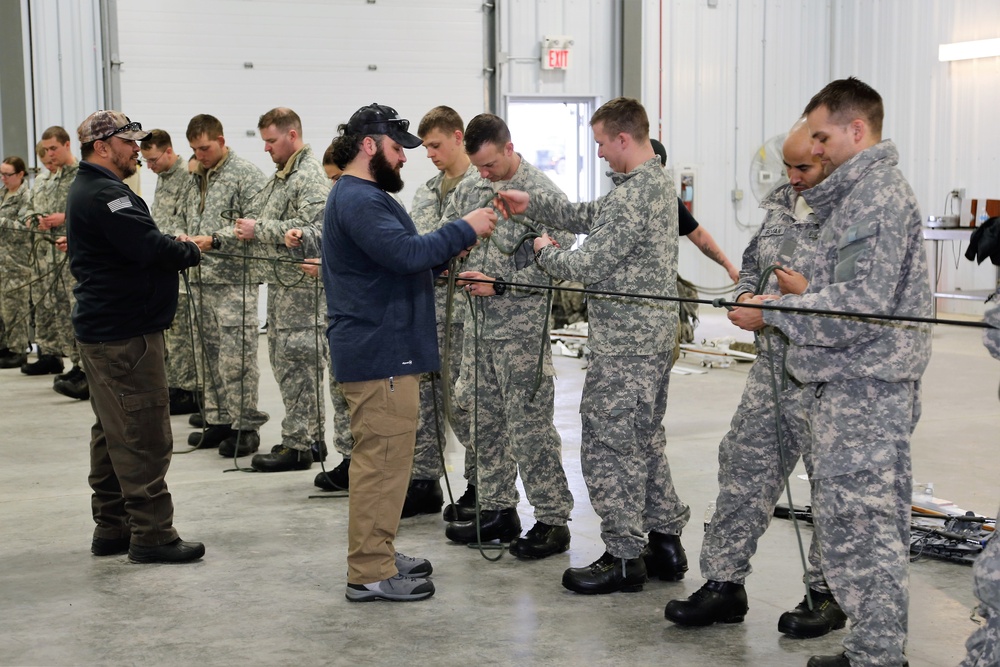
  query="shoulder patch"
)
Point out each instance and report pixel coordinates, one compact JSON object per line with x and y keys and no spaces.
{"x":118,"y":204}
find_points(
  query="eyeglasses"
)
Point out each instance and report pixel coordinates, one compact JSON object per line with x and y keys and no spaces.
{"x":152,"y":160}
{"x":4,"y":174}
{"x":128,"y":127}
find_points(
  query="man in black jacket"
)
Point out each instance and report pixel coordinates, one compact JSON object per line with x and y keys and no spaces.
{"x":126,"y":295}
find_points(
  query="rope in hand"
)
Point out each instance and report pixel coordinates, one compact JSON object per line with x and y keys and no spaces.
{"x":233,"y":214}
{"x":768,"y":333}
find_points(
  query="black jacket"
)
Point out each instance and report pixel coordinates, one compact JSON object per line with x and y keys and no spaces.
{"x":126,"y":269}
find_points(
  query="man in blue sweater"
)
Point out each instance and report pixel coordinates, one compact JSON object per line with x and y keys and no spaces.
{"x":126,"y":295}
{"x":379,"y":278}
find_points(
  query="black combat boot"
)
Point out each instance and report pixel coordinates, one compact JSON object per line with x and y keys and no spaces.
{"x":665,"y":557}
{"x":541,"y":541}
{"x":463,"y":509}
{"x":337,"y":479}
{"x":73,"y":384}
{"x":607,"y":574}
{"x":211,"y":437}
{"x":714,"y":602}
{"x":183,"y":402}
{"x":282,"y":459}
{"x":46,"y":364}
{"x":805,"y":623}
{"x":240,"y":443}
{"x":319,"y":451}
{"x":503,"y":525}
{"x":11,"y":359}
{"x":423,"y":496}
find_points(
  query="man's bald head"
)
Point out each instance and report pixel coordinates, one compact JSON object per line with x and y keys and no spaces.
{"x":804,"y":169}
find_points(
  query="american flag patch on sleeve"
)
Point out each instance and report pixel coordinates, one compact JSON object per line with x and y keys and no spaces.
{"x":119,"y":204}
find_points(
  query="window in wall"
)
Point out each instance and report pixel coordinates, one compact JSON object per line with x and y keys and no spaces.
{"x":553,"y":133}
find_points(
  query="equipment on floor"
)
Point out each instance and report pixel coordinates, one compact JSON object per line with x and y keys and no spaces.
{"x":938,"y":528}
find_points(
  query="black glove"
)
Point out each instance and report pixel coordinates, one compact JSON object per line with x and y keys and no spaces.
{"x":985,"y":242}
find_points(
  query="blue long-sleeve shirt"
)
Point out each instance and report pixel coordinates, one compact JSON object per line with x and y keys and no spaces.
{"x":378,"y":275}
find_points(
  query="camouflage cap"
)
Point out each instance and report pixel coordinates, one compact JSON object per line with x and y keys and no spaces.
{"x":380,"y":119}
{"x":105,"y":124}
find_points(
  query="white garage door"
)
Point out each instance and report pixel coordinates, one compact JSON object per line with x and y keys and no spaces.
{"x":236,"y":59}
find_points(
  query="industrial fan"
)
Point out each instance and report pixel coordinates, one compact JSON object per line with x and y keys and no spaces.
{"x":767,"y":168}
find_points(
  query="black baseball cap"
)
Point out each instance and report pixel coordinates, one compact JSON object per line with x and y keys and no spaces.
{"x":380,"y":119}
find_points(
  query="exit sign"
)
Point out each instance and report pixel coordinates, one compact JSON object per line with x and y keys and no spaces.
{"x":555,"y":52}
{"x":556,"y":59}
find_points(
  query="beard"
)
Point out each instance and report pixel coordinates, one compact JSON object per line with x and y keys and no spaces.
{"x":386,"y":177}
{"x":124,"y":164}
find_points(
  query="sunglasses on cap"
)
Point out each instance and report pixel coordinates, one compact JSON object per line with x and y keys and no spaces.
{"x":128,"y":127}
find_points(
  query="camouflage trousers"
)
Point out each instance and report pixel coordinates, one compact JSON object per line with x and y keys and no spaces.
{"x":983,"y":645}
{"x":427,"y":463}
{"x":513,"y":431}
{"x":752,"y":474}
{"x":623,"y":451}
{"x":15,"y":307}
{"x":298,"y":352}
{"x":343,"y":440}
{"x":181,"y":355}
{"x":228,"y":329}
{"x":53,"y":297}
{"x":858,"y":435}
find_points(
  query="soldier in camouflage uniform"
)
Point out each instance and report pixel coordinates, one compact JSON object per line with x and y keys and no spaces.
{"x":225,"y":290}
{"x":309,"y":239}
{"x":983,"y":645}
{"x":507,"y":371}
{"x":293,"y":199}
{"x":172,"y":183}
{"x":631,"y":247}
{"x":442,"y":132}
{"x":753,"y":468}
{"x":859,"y":394}
{"x":46,"y":208}
{"x":15,"y":264}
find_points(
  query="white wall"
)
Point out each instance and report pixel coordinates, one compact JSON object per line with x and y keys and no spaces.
{"x":185,"y":57}
{"x":596,"y":53}
{"x":595,"y":60}
{"x":730,"y":76}
{"x":734,"y":74}
{"x":63,"y":39}
{"x":941,"y":115}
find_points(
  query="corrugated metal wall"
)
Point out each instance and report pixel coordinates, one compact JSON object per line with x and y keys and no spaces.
{"x":941,"y":115}
{"x":596,"y":56}
{"x":733,"y":75}
{"x":236,"y":59}
{"x":64,"y":43}
{"x":593,"y":74}
{"x":738,"y":72}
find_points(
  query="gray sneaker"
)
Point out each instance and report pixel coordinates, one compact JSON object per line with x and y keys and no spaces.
{"x":413,"y":567}
{"x":397,"y":589}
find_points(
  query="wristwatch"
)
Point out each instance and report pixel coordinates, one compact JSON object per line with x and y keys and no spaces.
{"x":216,"y":242}
{"x":499,"y":286}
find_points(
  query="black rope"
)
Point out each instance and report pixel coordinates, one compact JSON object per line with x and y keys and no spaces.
{"x":768,"y":332}
{"x":729,"y":305}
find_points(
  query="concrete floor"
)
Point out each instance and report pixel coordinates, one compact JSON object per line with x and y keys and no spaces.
{"x":270,"y":590}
